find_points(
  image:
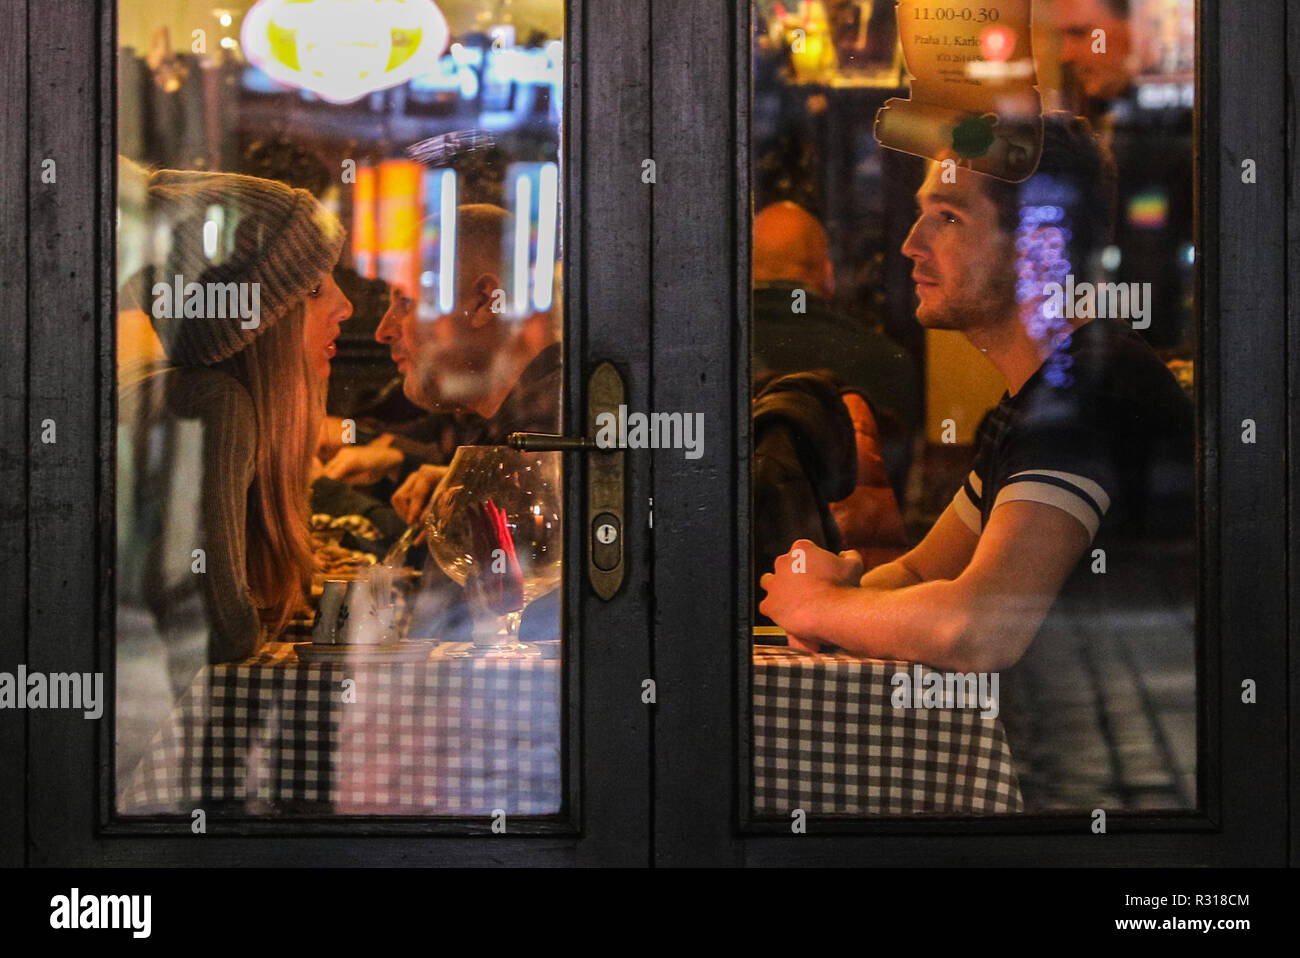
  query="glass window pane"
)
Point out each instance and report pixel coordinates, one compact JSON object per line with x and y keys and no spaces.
{"x":339,"y":288}
{"x":974,"y":337}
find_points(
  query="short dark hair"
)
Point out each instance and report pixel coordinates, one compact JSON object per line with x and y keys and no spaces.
{"x":1075,"y":172}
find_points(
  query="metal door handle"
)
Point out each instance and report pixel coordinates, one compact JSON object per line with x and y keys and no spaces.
{"x":606,"y":495}
{"x":546,"y":442}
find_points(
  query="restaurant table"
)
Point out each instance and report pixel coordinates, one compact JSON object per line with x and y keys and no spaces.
{"x":468,"y":736}
{"x":447,"y":736}
{"x":828,"y":740}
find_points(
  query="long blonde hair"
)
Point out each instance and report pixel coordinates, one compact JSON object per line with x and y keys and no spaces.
{"x":289,"y":404}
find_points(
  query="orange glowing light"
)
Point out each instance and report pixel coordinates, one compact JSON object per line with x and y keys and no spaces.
{"x":997,"y":44}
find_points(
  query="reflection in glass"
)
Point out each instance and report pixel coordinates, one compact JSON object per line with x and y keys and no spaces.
{"x":339,"y":261}
{"x":494,"y":528}
{"x":999,"y":352}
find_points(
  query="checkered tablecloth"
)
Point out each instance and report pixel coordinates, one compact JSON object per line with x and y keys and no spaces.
{"x":450,"y":736}
{"x":828,"y":740}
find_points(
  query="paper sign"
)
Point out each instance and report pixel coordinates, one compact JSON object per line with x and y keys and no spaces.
{"x":974,"y":98}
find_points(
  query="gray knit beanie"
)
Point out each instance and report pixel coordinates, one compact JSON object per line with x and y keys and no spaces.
{"x":273,"y":243}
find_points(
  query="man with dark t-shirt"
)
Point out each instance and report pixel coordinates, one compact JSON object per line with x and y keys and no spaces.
{"x":1077,"y":517}
{"x":471,"y":358}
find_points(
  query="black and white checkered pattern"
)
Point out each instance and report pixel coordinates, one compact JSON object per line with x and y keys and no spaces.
{"x":828,"y":740}
{"x":453,"y":736}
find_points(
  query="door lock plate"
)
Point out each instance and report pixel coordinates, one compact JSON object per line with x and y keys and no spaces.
{"x":605,"y":488}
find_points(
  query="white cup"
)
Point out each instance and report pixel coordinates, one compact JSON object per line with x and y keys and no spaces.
{"x":361,"y":621}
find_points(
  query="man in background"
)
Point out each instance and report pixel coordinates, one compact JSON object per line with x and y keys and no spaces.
{"x":1102,"y":65}
{"x":475,"y":358}
{"x":1148,"y":129}
{"x":796,"y":329}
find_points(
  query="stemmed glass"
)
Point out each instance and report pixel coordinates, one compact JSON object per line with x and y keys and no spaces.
{"x":494,"y":528}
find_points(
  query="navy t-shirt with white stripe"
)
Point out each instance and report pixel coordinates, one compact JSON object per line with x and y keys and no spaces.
{"x":1103,"y":432}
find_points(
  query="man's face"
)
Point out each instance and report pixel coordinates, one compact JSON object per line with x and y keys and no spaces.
{"x":1102,"y":75}
{"x":963,"y":262}
{"x":444,"y":360}
{"x":404,"y":334}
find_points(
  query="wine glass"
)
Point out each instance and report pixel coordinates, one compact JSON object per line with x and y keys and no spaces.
{"x":494,"y":528}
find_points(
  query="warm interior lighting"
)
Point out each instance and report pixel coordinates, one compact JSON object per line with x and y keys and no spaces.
{"x":342,"y":50}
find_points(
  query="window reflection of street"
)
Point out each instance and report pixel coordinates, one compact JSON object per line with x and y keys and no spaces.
{"x":1100,"y":707}
{"x":387,"y":177}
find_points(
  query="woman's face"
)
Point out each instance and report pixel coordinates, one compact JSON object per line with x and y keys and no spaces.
{"x":326,"y":308}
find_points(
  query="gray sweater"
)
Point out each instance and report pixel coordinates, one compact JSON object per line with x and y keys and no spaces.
{"x":187,"y":441}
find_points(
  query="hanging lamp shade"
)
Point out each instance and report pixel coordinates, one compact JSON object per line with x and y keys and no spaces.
{"x":342,"y":50}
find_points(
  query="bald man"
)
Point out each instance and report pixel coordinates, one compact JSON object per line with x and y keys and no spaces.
{"x":790,"y":245}
{"x":797,"y":329}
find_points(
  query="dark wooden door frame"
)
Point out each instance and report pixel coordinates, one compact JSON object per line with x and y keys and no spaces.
{"x":58,"y":64}
{"x":700,"y":78}
{"x":677,"y":93}
{"x":15,"y":176}
{"x":1292,"y":168}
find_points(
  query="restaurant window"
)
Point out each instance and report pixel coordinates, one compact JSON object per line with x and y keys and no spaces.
{"x":974,"y":418}
{"x":339,"y":286}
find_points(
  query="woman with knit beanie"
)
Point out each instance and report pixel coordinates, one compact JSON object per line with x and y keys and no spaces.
{"x":221,"y":434}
